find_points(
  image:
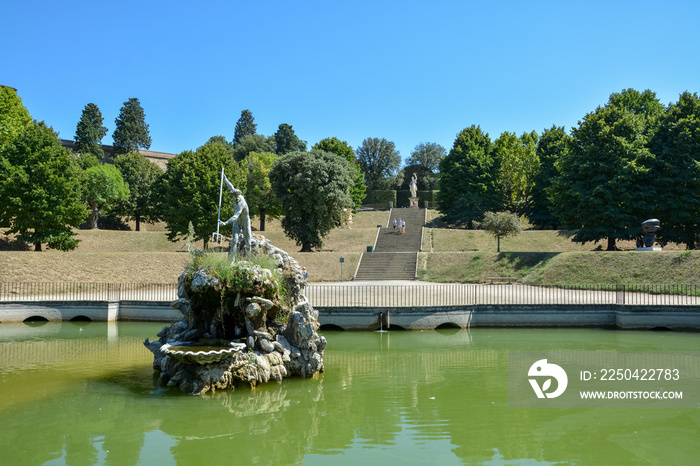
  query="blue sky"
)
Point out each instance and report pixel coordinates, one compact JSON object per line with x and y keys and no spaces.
{"x":406,"y":71}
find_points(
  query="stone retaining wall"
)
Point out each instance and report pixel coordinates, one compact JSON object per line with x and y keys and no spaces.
{"x":374,"y":318}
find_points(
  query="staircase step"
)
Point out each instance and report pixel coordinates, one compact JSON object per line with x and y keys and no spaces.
{"x":395,"y":254}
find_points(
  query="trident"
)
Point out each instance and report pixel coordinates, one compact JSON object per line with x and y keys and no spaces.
{"x":217,"y":237}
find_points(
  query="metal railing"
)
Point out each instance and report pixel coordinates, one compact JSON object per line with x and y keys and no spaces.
{"x":355,"y":295}
{"x":515,"y":294}
{"x":77,"y":291}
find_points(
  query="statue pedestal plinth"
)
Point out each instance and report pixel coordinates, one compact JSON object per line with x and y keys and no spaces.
{"x":648,"y":249}
{"x":414,"y":202}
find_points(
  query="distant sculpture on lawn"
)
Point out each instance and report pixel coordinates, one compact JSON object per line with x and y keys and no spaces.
{"x":413,"y":185}
{"x":649,"y":228}
{"x":240,"y":221}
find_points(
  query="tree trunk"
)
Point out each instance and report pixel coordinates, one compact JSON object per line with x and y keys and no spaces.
{"x":94,"y":216}
{"x":611,"y":244}
{"x":498,"y":242}
{"x":138,"y":222}
{"x":37,"y":246}
{"x":262,"y":220}
{"x":306,"y":247}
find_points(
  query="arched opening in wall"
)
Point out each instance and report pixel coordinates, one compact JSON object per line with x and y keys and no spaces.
{"x":81,"y":319}
{"x":36,"y":321}
{"x":661,"y":329}
{"x":331,"y":328}
{"x":448,"y":326}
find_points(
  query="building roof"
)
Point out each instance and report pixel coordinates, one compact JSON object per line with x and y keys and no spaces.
{"x":159,"y":158}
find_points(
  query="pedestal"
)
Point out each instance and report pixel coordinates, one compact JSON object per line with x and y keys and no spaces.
{"x":414,"y":202}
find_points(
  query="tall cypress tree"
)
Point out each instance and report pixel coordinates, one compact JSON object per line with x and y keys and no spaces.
{"x":244,"y":126}
{"x":286,"y":141}
{"x":89,"y":133}
{"x":131,"y":130}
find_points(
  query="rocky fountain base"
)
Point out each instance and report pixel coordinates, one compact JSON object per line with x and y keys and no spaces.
{"x":246,"y":322}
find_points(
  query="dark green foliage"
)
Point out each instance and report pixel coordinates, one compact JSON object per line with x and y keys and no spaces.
{"x":427,"y":179}
{"x":469,"y":179}
{"x":427,"y":155}
{"x":314,"y":188}
{"x":676,"y":146}
{"x":141,"y":175}
{"x":89,"y":133}
{"x":553,"y":144}
{"x":644,"y":104}
{"x":604,"y":183}
{"x":245,"y":126}
{"x":131,"y":131}
{"x":40,"y":189}
{"x":189,"y":191}
{"x":343,"y":149}
{"x":286,"y":141}
{"x":378,"y":196}
{"x":379,"y":162}
{"x":252,"y":143}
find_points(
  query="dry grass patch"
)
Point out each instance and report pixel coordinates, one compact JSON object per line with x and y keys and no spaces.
{"x":325,"y":266}
{"x":126,"y":241}
{"x":103,"y":267}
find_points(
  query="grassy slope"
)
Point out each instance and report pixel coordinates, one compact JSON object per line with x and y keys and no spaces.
{"x":666,"y":267}
{"x":148,"y":256}
{"x":449,"y":256}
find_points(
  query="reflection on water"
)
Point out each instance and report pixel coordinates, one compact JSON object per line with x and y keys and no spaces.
{"x":79,"y":394}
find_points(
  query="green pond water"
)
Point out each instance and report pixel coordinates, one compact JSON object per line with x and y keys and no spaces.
{"x":84,"y":394}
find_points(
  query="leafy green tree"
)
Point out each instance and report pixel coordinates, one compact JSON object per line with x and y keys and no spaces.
{"x":553,"y":143}
{"x":314,"y":188}
{"x":343,"y":149}
{"x":425,"y":163}
{"x":252,"y":143}
{"x":603,"y":187}
{"x":14,"y":117}
{"x":427,"y":155}
{"x":469,"y":179}
{"x":676,"y":146}
{"x":88,"y":136}
{"x":519,"y":166}
{"x":501,"y":225}
{"x":245,"y":126}
{"x":286,"y":141}
{"x":104,"y":187}
{"x":259,"y":195}
{"x":40,"y":189}
{"x":189,"y":190}
{"x":131,"y":131}
{"x":645,"y":104}
{"x":141,"y":175}
{"x":379,"y":161}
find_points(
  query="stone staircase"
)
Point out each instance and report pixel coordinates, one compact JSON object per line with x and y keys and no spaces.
{"x":395,"y":255}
